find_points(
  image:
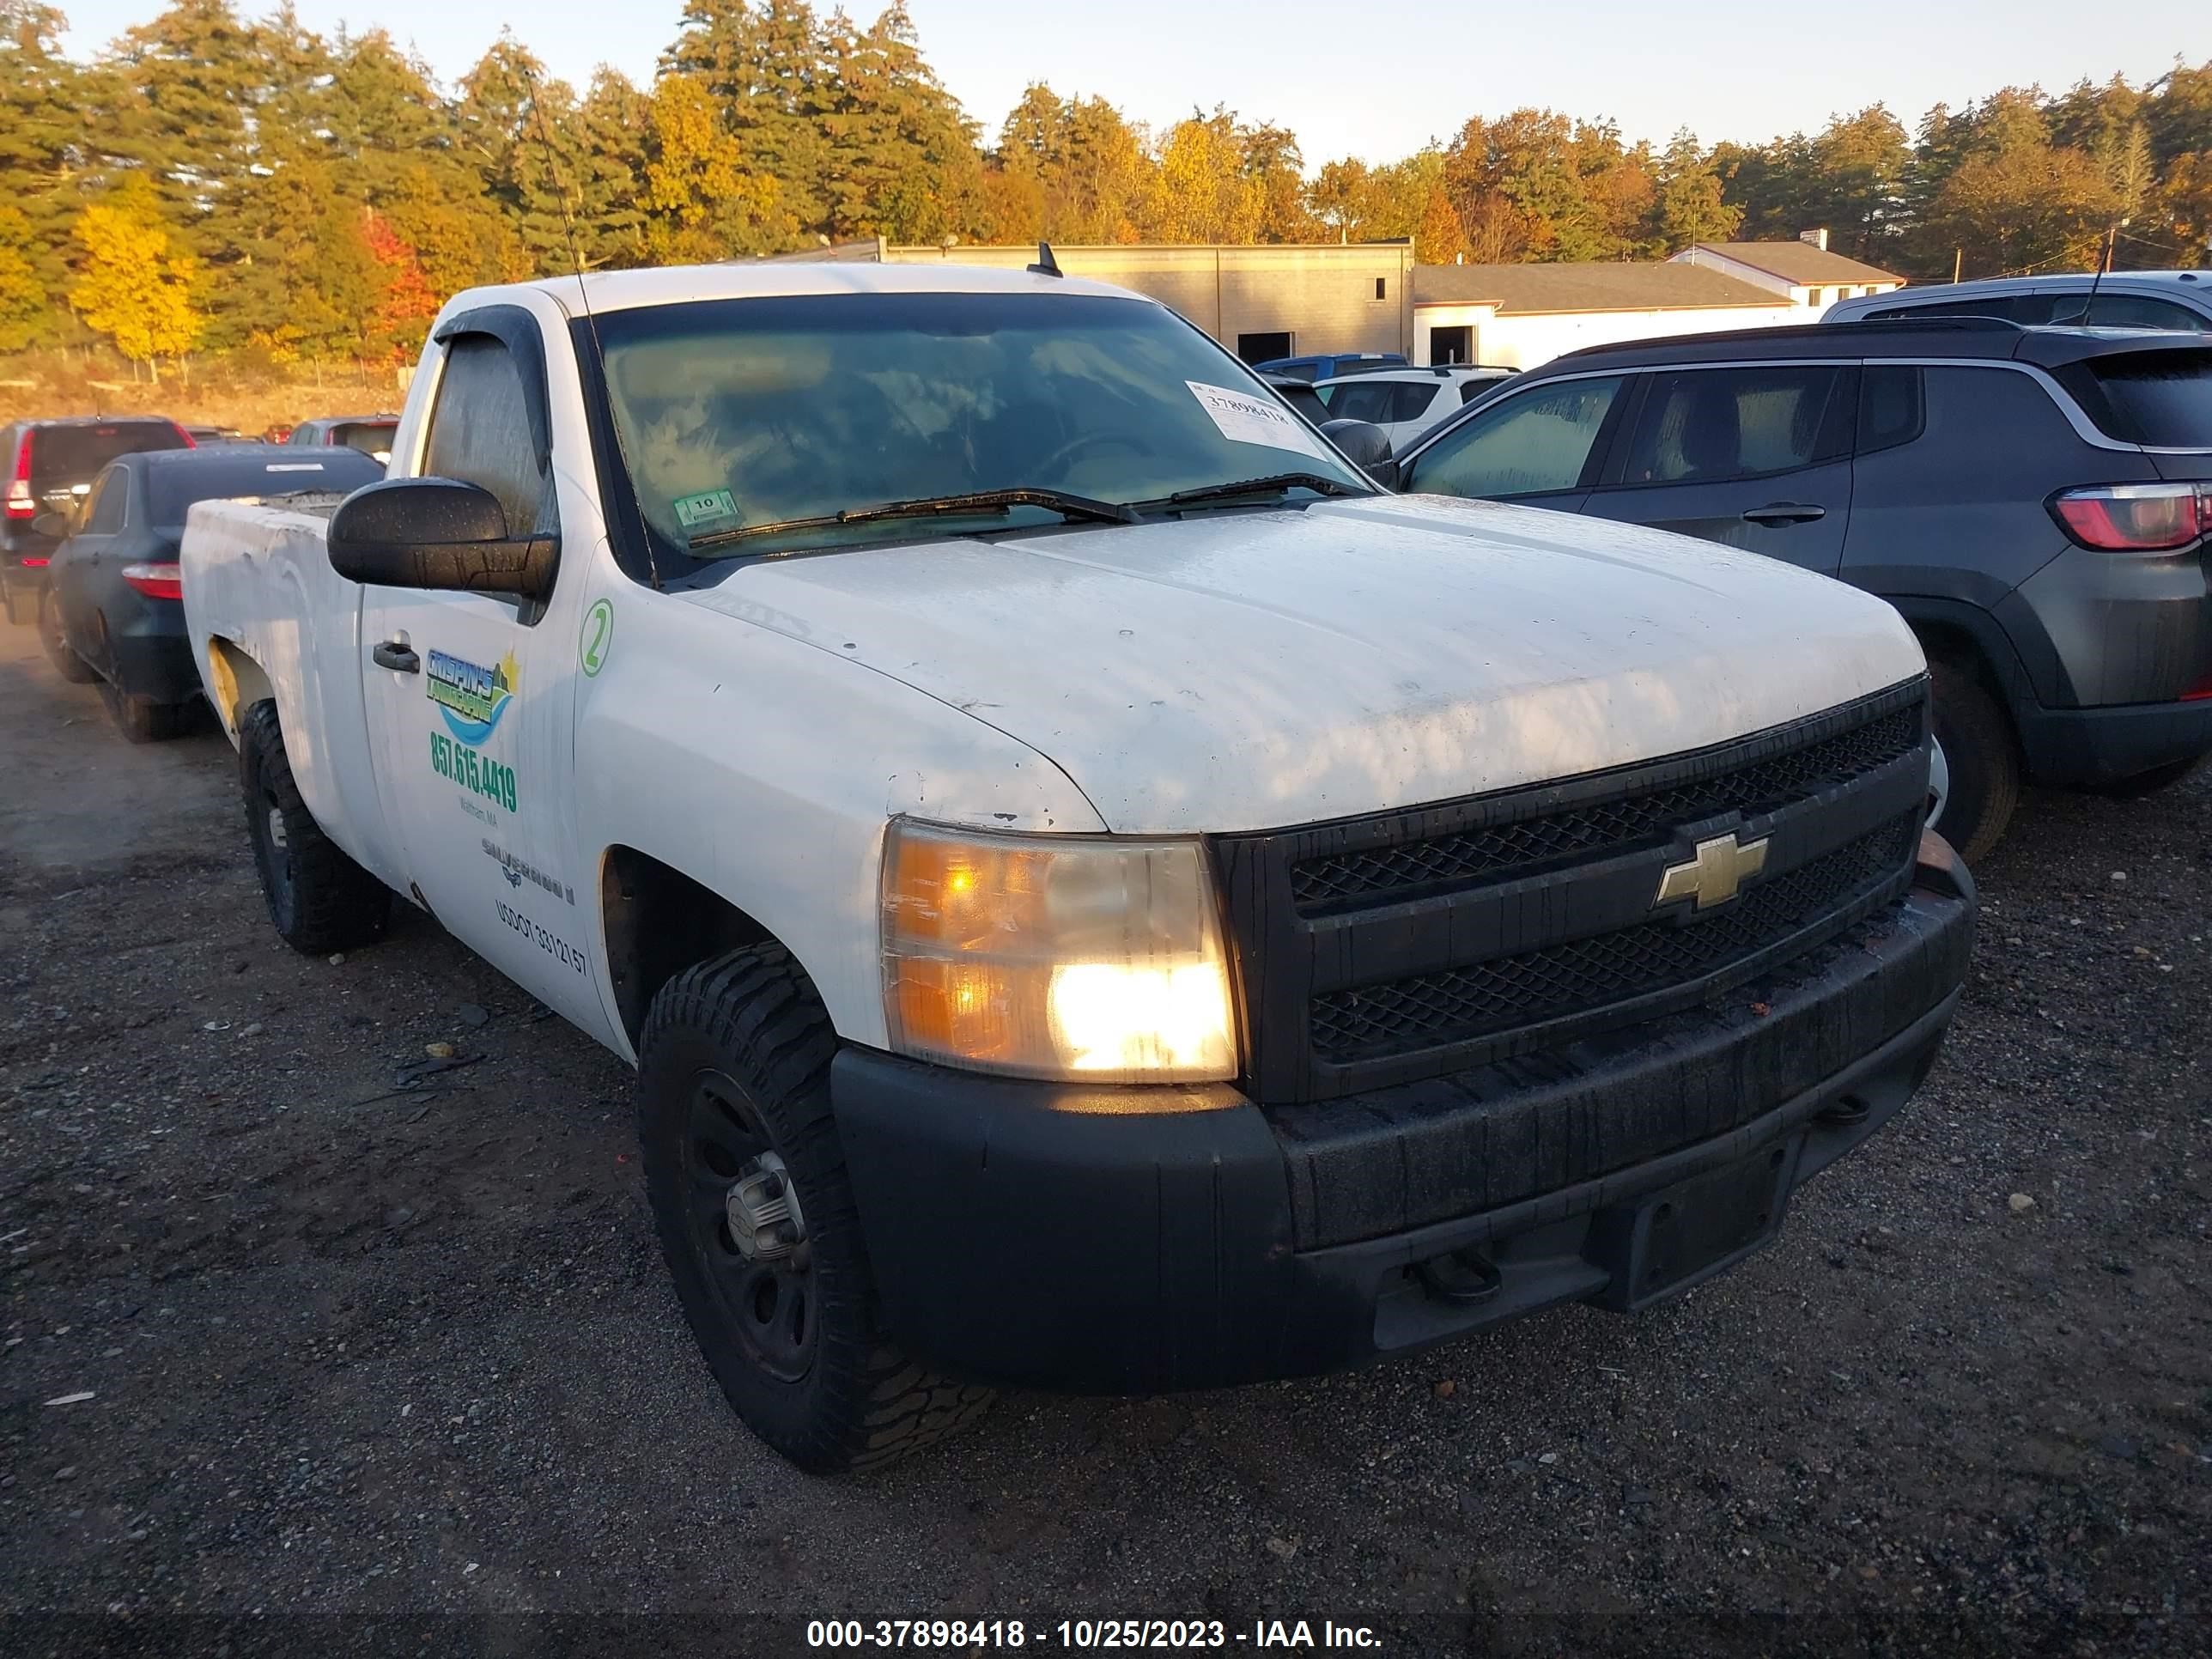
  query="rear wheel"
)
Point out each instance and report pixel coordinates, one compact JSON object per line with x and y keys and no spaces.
{"x":747,"y":1181}
{"x":1975,"y":781}
{"x":2150,"y":782}
{"x":21,"y":607}
{"x":67,"y":664}
{"x":318,"y":898}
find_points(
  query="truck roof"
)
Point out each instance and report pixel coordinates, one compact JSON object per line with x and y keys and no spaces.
{"x":750,"y":279}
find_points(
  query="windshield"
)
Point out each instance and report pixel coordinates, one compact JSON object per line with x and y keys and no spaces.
{"x":742,"y":412}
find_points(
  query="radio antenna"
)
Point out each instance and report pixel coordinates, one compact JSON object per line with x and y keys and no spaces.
{"x":2103,"y":259}
{"x":591,"y":322}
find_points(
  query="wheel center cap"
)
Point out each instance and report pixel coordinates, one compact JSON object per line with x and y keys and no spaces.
{"x":762,"y":1210}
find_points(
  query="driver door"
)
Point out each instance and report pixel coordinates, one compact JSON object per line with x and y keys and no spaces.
{"x":472,"y":705}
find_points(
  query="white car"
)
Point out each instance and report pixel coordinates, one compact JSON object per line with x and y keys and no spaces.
{"x":1098,"y":895}
{"x":1404,"y":403}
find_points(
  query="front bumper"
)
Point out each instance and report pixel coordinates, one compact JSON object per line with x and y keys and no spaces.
{"x":1118,"y":1240}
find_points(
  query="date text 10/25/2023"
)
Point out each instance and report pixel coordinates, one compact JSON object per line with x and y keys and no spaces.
{"x":1089,"y":1633}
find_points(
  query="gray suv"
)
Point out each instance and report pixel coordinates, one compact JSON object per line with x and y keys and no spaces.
{"x":2037,"y":501}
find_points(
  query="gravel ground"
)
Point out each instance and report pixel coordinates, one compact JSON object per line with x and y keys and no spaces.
{"x":380,"y":1370}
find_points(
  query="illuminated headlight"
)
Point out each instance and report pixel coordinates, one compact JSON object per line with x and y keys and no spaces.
{"x":1055,"y":956}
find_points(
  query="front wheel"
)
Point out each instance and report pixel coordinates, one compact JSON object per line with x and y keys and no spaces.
{"x":55,"y":640}
{"x":318,"y":898}
{"x":747,"y":1183}
{"x":1974,"y":779}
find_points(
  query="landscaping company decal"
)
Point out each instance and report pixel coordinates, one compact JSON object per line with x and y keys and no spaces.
{"x":480,"y":774}
{"x":472,"y":698}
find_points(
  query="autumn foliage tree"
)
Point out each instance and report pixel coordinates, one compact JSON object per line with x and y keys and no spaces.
{"x":264,"y":187}
{"x":137,"y":286}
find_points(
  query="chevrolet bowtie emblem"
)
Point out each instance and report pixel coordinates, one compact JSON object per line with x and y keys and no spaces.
{"x":1720,"y":869}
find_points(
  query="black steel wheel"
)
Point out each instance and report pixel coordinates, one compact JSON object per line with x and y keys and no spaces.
{"x":759,"y":1269}
{"x":757,"y":1219}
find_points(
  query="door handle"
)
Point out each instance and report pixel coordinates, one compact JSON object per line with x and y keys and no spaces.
{"x":1774,"y":514}
{"x":392,"y":654}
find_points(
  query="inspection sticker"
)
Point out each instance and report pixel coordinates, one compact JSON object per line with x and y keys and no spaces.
{"x":1245,"y":419}
{"x":705,"y":507}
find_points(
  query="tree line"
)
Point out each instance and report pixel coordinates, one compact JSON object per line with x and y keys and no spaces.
{"x":215,"y":183}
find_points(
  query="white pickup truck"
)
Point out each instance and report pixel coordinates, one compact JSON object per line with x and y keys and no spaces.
{"x":1098,"y":895}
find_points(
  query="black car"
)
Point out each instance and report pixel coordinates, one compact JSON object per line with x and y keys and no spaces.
{"x":51,"y":464}
{"x":372,"y":434}
{"x":2037,"y":501}
{"x":113,"y":609}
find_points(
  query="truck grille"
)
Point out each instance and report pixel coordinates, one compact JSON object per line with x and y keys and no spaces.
{"x":1443,"y":860}
{"x":1585,"y":974}
{"x":1407,"y":945}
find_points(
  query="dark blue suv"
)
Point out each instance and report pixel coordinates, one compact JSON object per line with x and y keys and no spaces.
{"x":2037,"y":501}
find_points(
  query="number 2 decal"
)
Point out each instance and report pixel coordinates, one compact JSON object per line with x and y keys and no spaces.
{"x":599,"y":635}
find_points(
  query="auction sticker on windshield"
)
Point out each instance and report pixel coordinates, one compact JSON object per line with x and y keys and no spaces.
{"x":1245,"y":419}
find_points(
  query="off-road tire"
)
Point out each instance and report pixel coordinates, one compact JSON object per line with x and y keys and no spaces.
{"x":2149,"y":782}
{"x":751,"y":1020}
{"x":141,"y":720}
{"x":67,"y":664}
{"x":320,"y":900}
{"x":1984,"y":759}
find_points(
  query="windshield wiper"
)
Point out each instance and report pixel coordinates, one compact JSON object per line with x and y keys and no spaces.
{"x":1280,"y":482}
{"x":975,"y":501}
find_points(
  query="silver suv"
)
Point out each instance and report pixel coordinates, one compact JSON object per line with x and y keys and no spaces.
{"x":2177,"y":301}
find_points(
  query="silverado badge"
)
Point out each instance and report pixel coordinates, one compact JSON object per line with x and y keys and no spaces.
{"x":1721,"y":867}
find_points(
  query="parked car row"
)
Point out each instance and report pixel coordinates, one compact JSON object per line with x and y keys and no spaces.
{"x":93,"y":520}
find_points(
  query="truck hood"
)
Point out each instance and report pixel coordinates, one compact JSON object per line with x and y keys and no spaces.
{"x":1255,"y":669}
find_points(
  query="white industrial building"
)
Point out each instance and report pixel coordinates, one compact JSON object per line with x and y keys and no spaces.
{"x":1519,"y":316}
{"x":1804,"y":271}
{"x":1287,"y":299}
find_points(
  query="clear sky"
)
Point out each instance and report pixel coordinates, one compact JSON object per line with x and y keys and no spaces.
{"x":1378,"y":78}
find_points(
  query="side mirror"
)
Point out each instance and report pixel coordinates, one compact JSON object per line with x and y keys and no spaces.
{"x":1367,"y":448}
{"x":54,"y":527}
{"x":437,"y":533}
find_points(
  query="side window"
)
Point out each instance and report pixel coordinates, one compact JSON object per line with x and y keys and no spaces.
{"x":2139,"y":311}
{"x":1893,"y":406}
{"x":1411,"y":399}
{"x":1705,"y":426}
{"x":480,"y":433}
{"x":1538,"y":441}
{"x":104,"y":507}
{"x":2007,"y":306}
{"x":1358,"y":399}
